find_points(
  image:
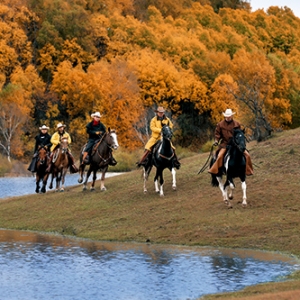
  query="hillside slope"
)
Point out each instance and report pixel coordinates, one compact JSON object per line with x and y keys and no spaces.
{"x":193,"y":215}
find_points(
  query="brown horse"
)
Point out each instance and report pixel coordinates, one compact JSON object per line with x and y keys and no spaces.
{"x":41,"y":165}
{"x":60,"y":165}
{"x":100,"y":157}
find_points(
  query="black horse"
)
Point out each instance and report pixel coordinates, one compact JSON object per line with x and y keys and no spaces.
{"x":234,"y":166}
{"x":41,"y":165}
{"x":163,"y":157}
{"x":100,"y":157}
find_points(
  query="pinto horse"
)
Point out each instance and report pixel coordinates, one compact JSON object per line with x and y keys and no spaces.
{"x":101,"y":154}
{"x":234,"y":166}
{"x":41,"y":165}
{"x":60,"y":165}
{"x":162,"y":158}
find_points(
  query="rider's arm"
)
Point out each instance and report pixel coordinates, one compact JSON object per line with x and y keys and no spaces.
{"x":153,"y":126}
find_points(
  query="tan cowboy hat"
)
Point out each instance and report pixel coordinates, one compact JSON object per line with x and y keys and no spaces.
{"x":228,"y":113}
{"x":160,"y":109}
{"x":60,"y":125}
{"x":96,"y":114}
{"x":44,"y":127}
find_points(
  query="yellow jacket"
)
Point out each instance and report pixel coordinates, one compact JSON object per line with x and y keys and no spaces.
{"x":156,"y":126}
{"x":56,"y":138}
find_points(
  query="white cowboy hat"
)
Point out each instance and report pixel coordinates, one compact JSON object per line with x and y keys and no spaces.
{"x":60,"y":125}
{"x":228,"y":113}
{"x":160,"y":109}
{"x":96,"y":114}
{"x":44,"y":127}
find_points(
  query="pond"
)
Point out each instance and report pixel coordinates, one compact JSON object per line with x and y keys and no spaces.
{"x":19,"y":186}
{"x":42,"y":266}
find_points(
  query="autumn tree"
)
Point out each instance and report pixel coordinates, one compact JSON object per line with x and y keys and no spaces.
{"x":14,"y":113}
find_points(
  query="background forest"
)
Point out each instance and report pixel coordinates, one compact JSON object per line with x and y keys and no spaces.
{"x":61,"y":60}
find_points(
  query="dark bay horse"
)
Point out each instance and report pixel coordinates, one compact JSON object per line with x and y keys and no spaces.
{"x":101,"y":154}
{"x":234,"y":166}
{"x":60,"y":165}
{"x":41,"y":165}
{"x":163,"y":156}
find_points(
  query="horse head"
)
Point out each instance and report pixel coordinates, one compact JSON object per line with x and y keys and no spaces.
{"x":112,"y":139}
{"x":64,"y":145}
{"x":167,"y":132}
{"x":239,"y":139}
{"x":42,"y":155}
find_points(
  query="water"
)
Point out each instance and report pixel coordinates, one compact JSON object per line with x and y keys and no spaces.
{"x":18,"y":186}
{"x":36,"y":266}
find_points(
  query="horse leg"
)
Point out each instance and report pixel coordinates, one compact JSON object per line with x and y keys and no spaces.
{"x":224,"y":191}
{"x":94,"y":180}
{"x":146,"y":173}
{"x":51,"y":181}
{"x":159,"y":189}
{"x":81,"y":172}
{"x":174,"y":179}
{"x":58,"y":179}
{"x":45,"y":179}
{"x":63,"y":176}
{"x":102,"y":186}
{"x":244,"y":186}
{"x":37,"y":188}
{"x":87,"y":178}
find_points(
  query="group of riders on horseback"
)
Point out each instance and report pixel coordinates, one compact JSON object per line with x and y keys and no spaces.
{"x":96,"y":129}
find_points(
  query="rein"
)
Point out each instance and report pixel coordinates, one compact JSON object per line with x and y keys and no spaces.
{"x":207,"y":161}
{"x":97,"y":146}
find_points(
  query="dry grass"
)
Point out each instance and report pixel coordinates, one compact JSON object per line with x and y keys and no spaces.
{"x":192,"y":215}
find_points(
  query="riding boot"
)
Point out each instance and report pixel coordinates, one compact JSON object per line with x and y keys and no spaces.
{"x":85,"y":159}
{"x":249,"y":167}
{"x":112,"y":161}
{"x":144,"y":159}
{"x":48,"y":170}
{"x":73,"y":168}
{"x":176,"y":162}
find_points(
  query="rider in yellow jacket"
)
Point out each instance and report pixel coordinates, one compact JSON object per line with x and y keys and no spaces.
{"x":55,"y":140}
{"x":156,"y":125}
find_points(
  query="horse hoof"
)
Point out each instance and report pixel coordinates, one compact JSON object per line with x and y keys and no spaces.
{"x":37,"y":191}
{"x":84,"y":188}
{"x":161,"y":195}
{"x":62,"y":190}
{"x":103,"y":189}
{"x":92,"y":189}
{"x":80,"y":180}
{"x":174,"y":188}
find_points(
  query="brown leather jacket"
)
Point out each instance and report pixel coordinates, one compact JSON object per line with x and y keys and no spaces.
{"x":224,"y":131}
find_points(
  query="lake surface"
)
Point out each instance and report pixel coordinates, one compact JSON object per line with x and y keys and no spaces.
{"x":38,"y":266}
{"x":18,"y":186}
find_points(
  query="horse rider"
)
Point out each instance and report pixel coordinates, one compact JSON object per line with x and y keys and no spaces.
{"x":55,"y":140}
{"x":223,"y":133}
{"x":156,"y":124}
{"x":41,"y":140}
{"x":95,"y":129}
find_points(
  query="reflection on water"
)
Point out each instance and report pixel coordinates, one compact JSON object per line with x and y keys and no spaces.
{"x":35,"y":266}
{"x":19,"y":186}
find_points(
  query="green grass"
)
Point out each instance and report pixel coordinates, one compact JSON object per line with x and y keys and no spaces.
{"x":194,"y":214}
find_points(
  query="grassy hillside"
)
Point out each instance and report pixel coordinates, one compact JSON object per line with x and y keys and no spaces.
{"x":193,"y":215}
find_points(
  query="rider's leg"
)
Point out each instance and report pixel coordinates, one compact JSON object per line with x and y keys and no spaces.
{"x":112,"y":161}
{"x":145,"y":158}
{"x":176,"y":162}
{"x":48,"y":170}
{"x":32,"y":166}
{"x":73,"y":168}
{"x":249,"y":167}
{"x":218,"y":163}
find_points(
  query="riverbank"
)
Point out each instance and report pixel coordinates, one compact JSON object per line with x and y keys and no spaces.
{"x":192,"y":215}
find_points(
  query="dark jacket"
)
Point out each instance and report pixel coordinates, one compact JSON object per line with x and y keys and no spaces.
{"x":94,"y":130}
{"x":42,"y":140}
{"x":224,"y":131}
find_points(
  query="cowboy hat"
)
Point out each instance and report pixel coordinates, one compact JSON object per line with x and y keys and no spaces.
{"x":44,"y":127}
{"x":96,"y":114}
{"x":228,"y":113}
{"x":160,"y":109}
{"x":60,"y":125}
